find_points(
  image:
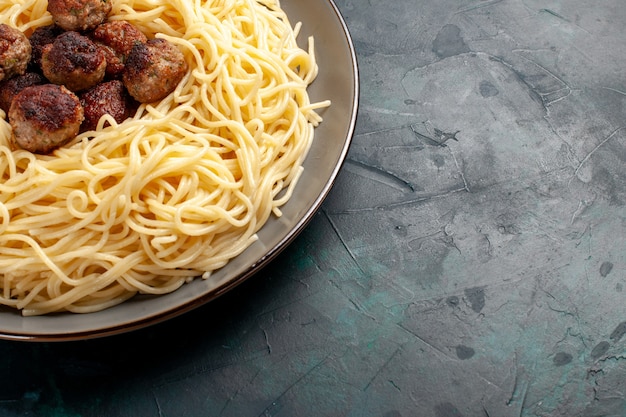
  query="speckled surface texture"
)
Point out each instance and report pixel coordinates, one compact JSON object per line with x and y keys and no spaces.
{"x":470,"y":260}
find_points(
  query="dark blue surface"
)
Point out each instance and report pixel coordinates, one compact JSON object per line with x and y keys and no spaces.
{"x":469,"y":261}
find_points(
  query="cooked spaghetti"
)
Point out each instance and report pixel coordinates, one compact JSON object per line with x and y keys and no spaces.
{"x":179,"y":189}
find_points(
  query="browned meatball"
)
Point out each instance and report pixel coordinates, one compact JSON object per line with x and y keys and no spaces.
{"x":106,"y":98}
{"x":79,"y":15}
{"x":11,"y":87}
{"x":115,"y":66}
{"x":117,"y":38}
{"x":73,"y":60}
{"x":153,"y":70}
{"x":41,"y":37}
{"x":15,"y":51}
{"x":45,"y":117}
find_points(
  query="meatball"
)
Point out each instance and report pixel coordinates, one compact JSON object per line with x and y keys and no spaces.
{"x":79,"y":15}
{"x":45,"y":117}
{"x":153,"y":70}
{"x":106,"y":98}
{"x":73,"y":60}
{"x":41,"y":37}
{"x":11,"y":87}
{"x":117,"y":39}
{"x":115,"y":66}
{"x":15,"y":52}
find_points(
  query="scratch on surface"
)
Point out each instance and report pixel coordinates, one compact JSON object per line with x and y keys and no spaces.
{"x":403,"y":147}
{"x":285,"y":305}
{"x":479,"y":6}
{"x":609,"y":358}
{"x":408,"y":202}
{"x":393,"y":384}
{"x":568,"y":146}
{"x":415,"y":32}
{"x":380,"y":369}
{"x":594,"y":150}
{"x":379,"y":110}
{"x":203,"y":369}
{"x":354,"y":303}
{"x":558,"y":16}
{"x":448,"y":237}
{"x":574,"y":314}
{"x":489,"y":382}
{"x":534,"y":93}
{"x":523,"y":400}
{"x":156,"y":400}
{"x":232,"y":397}
{"x":267,"y":342}
{"x":555,"y":96}
{"x":377,"y":132}
{"x":385,"y":174}
{"x":520,"y":390}
{"x":458,"y":167}
{"x":274,"y":403}
{"x":544,"y":96}
{"x":343,"y":242}
{"x":553,"y":13}
{"x":401,"y":290}
{"x":436,"y":349}
{"x":582,"y":206}
{"x":615,"y":90}
{"x":577,"y":212}
{"x":438,"y":137}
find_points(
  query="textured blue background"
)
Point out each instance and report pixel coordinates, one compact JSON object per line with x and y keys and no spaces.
{"x":469,"y":261}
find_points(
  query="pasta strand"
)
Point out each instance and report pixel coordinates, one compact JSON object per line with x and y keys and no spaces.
{"x":179,"y":189}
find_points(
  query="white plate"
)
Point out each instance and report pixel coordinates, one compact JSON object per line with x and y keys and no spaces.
{"x":337,"y":81}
